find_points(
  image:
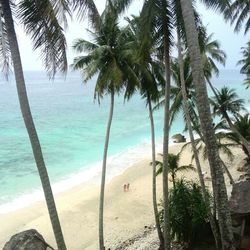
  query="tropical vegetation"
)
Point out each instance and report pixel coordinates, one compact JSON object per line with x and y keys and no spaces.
{"x":137,"y":58}
{"x":188,"y":214}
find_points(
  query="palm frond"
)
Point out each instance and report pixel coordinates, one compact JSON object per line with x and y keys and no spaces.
{"x":87,"y":8}
{"x":41,"y":23}
{"x":81,"y":45}
{"x":240,"y":14}
{"x":61,"y":9}
{"x":121,"y":5}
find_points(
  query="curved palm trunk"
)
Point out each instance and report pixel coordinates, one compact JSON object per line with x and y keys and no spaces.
{"x":156,"y":213}
{"x":227,"y":171}
{"x":212,"y":87}
{"x":195,"y":151}
{"x":218,"y":181}
{"x":30,"y":126}
{"x":166,"y":225}
{"x":104,"y":164}
{"x":222,"y":162}
{"x":231,"y":125}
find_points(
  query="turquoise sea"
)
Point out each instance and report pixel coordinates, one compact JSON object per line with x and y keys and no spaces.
{"x":71,"y":127}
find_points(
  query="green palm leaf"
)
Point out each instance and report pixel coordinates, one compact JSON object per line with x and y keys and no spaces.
{"x":46,"y":32}
{"x":87,"y":8}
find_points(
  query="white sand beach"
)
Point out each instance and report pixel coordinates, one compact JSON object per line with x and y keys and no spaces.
{"x":126,"y":213}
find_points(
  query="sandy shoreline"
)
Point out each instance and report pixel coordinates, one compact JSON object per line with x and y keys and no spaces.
{"x":126,"y":213}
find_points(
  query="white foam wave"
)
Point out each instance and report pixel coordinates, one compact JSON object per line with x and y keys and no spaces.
{"x":116,"y":165}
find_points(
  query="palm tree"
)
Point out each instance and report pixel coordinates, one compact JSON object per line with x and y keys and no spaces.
{"x":40,"y":22}
{"x":227,"y":102}
{"x":141,"y":49}
{"x":245,"y":62}
{"x":105,"y":58}
{"x":188,"y":118}
{"x":160,"y":17}
{"x":165,"y":27}
{"x":174,"y":167}
{"x":218,"y":181}
{"x":203,"y":104}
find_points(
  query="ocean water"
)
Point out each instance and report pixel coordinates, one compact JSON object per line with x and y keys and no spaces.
{"x":71,"y":128}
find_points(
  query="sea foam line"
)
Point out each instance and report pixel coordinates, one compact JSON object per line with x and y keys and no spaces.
{"x":116,"y":165}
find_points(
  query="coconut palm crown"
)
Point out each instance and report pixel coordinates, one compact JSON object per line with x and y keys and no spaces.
{"x":227,"y":102}
{"x":174,"y":167}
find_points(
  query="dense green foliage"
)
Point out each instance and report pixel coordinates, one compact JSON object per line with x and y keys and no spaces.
{"x":188,"y":212}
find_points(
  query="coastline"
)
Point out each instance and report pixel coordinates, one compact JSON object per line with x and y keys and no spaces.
{"x":87,"y":175}
{"x":125,"y":215}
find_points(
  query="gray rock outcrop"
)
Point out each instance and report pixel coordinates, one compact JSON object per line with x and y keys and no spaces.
{"x":178,"y":138}
{"x":26,"y":240}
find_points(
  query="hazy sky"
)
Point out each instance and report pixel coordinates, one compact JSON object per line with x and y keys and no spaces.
{"x":230,"y":42}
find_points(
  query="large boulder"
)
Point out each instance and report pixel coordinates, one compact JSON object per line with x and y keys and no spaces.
{"x":178,"y":138}
{"x":26,"y":240}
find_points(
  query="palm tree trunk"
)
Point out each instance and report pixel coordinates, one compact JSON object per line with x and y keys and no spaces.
{"x":30,"y":126}
{"x":154,"y":195}
{"x":228,"y":172}
{"x":212,"y":88}
{"x":166,"y":224}
{"x":218,"y":181}
{"x":191,"y":135}
{"x":222,"y":162}
{"x":104,"y":164}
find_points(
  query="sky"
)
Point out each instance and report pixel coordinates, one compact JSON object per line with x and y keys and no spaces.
{"x":230,"y":42}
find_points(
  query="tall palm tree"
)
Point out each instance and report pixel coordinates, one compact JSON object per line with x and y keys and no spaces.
{"x":43,"y":20}
{"x":245,"y":62}
{"x":54,"y":57}
{"x":187,"y":114}
{"x":218,"y":181}
{"x":204,"y":112}
{"x":227,"y":102}
{"x":105,"y":59}
{"x":160,"y":12}
{"x":165,"y":25}
{"x":142,"y":51}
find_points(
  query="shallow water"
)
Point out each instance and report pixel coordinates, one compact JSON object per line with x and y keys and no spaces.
{"x":71,"y":128}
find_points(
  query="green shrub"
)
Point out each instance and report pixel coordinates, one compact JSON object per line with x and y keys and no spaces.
{"x":188,"y":212}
